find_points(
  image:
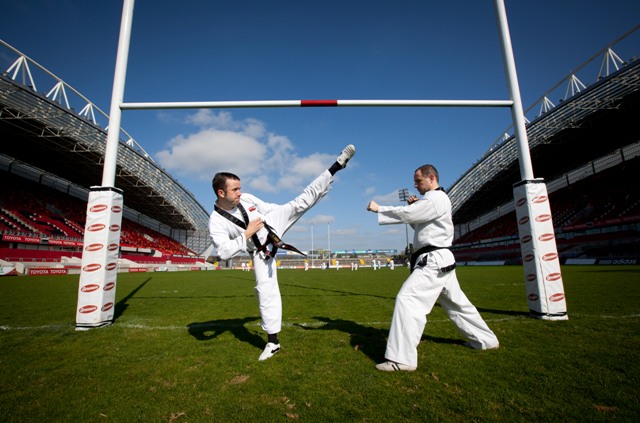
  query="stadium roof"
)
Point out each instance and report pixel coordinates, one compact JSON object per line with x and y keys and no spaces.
{"x":45,"y":132}
{"x":593,"y":122}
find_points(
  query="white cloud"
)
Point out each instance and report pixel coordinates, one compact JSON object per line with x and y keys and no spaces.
{"x":265,"y":161}
{"x":298,"y":229}
{"x":260,"y":183}
{"x":165,"y":117}
{"x":254,"y":128}
{"x":205,"y":118}
{"x":204,"y":153}
{"x":345,"y":232}
{"x":387,"y":199}
{"x":398,"y":230}
{"x":320,"y":219}
{"x":311,"y":165}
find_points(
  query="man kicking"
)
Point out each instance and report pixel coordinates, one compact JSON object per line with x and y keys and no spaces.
{"x":244,"y":223}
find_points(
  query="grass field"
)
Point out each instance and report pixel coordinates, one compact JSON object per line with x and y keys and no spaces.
{"x":184,"y":348}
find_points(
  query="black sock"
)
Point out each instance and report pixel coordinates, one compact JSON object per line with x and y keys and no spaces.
{"x":334,"y":168}
{"x":273,"y":338}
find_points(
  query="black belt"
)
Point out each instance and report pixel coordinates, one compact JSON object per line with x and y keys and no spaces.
{"x":272,"y":238}
{"x":424,"y":250}
{"x":448,"y":269}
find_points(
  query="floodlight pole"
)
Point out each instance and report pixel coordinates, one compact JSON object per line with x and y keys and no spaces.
{"x":403,"y":195}
{"x":329,"y":242}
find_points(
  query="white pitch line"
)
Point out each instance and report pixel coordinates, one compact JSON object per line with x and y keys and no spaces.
{"x":287,"y":324}
{"x":44,"y":327}
{"x":612,"y":317}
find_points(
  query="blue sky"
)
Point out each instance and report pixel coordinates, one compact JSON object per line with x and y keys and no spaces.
{"x":333,"y":49}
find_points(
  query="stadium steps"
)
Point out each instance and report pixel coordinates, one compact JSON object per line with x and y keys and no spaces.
{"x":56,"y":224}
{"x":16,"y":221}
{"x":73,"y":225}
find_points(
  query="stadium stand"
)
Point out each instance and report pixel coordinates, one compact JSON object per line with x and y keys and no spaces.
{"x":40,"y":216}
{"x":597,"y":217}
{"x":70,"y":146}
{"x":586,"y":148}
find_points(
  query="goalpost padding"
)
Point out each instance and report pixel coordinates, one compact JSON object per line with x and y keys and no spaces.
{"x":97,"y":288}
{"x":541,"y":262}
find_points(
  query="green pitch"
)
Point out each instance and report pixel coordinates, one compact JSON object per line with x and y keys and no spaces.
{"x":184,"y":348}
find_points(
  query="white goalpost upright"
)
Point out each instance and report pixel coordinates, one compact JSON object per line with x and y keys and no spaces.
{"x":99,"y":267}
{"x":96,"y":293}
{"x":541,"y":262}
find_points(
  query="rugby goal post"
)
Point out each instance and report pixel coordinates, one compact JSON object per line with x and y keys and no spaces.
{"x":97,"y":287}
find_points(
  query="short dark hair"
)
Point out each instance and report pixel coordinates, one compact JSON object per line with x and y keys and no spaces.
{"x":220,"y":181}
{"x":427,"y":170}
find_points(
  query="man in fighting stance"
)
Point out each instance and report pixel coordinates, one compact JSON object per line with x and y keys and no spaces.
{"x":433,"y":276}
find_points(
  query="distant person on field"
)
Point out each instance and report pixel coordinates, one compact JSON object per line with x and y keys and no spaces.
{"x":244,"y":223}
{"x":433,"y":276}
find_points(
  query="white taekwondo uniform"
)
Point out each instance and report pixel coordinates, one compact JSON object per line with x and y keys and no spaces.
{"x":229,"y":241}
{"x":430,"y":217}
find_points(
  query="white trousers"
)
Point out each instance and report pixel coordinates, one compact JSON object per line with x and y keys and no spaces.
{"x":281,"y":219}
{"x":414,"y":302}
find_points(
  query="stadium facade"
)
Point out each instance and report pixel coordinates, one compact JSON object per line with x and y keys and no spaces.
{"x":590,"y":131}
{"x":589,"y":138}
{"x":47,"y":141}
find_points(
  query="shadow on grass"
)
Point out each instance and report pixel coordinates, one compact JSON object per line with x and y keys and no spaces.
{"x":371,"y":341}
{"x":205,"y":331}
{"x":505,"y":312}
{"x":122,"y":305}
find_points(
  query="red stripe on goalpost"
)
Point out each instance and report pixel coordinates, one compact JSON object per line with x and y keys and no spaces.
{"x":318,"y":103}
